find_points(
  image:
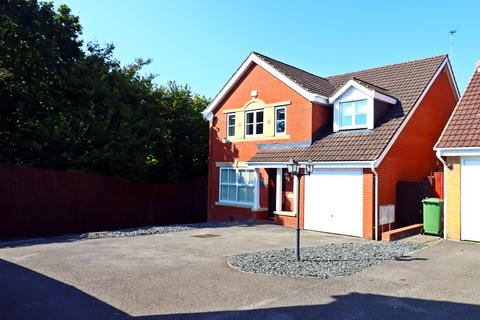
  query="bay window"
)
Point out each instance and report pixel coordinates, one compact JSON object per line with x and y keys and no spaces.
{"x":237,"y":186}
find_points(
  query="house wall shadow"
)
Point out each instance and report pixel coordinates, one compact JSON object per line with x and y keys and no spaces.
{"x":26,"y":294}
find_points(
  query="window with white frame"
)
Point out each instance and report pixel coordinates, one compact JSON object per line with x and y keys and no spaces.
{"x":280,"y":120}
{"x":254,"y":123}
{"x":237,"y":186}
{"x":353,"y":114}
{"x":231,"y":125}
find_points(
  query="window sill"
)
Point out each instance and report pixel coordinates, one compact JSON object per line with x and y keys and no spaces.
{"x":257,"y":138}
{"x":236,"y":205}
{"x":352,"y":128}
{"x":285,"y":213}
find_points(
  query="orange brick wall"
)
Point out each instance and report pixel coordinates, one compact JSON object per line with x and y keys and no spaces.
{"x":412,"y":157}
{"x":299,"y":128}
{"x":368,"y":204}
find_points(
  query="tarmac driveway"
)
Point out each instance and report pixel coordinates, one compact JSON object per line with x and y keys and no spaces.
{"x":180,"y":276}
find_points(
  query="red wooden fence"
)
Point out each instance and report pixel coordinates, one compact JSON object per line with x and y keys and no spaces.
{"x":439,"y":187}
{"x":39,"y":202}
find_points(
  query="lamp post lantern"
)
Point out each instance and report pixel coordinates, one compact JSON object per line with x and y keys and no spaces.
{"x":293,"y":168}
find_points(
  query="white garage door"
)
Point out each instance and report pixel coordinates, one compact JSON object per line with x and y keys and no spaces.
{"x":334,"y":201}
{"x":470,"y":193}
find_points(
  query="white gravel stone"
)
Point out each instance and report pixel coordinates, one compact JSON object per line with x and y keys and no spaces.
{"x":327,"y":261}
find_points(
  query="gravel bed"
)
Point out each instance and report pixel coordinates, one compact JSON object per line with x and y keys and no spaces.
{"x":324,"y":262}
{"x":133,"y":232}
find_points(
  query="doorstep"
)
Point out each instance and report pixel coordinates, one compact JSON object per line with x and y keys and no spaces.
{"x":400,"y":233}
{"x":285,"y":213}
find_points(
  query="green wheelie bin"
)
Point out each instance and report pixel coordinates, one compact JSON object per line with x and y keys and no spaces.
{"x":432,"y":216}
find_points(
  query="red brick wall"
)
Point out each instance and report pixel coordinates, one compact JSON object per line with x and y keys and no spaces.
{"x":299,"y":128}
{"x":321,"y":116}
{"x":412,"y":158}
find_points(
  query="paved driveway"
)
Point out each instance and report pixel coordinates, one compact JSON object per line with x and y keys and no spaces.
{"x":178,"y":276}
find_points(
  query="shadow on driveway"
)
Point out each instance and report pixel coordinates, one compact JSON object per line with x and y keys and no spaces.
{"x":26,"y":294}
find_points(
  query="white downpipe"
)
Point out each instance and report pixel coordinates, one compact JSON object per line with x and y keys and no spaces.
{"x":445,"y":168}
{"x":375,"y":173}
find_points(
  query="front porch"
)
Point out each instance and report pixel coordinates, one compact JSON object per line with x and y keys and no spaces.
{"x":282,"y":196}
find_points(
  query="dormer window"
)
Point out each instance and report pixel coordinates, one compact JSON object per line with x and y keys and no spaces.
{"x":353,"y":114}
{"x":356,"y":104}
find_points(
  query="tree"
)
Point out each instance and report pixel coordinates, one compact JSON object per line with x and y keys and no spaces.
{"x":180,"y":140}
{"x":70,"y":108}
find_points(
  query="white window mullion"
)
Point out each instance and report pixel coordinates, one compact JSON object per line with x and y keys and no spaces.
{"x":256,"y":190}
{"x":236,"y":185}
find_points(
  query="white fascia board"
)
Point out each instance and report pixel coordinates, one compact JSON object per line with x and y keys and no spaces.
{"x":412,"y":112}
{"x":318,"y":165}
{"x":252,"y":58}
{"x":380,"y":96}
{"x":458,"y":152}
{"x":266,"y":164}
{"x":369,"y":92}
{"x":453,"y":81}
{"x":341,"y":164}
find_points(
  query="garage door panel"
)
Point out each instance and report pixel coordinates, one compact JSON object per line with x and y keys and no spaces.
{"x":470,"y":195}
{"x":334,"y":201}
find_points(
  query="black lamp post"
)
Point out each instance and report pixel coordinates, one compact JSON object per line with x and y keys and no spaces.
{"x":293,"y":168}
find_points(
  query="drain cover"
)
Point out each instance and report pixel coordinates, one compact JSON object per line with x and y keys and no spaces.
{"x":206,"y":235}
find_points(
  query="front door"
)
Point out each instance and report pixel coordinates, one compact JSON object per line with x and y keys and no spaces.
{"x":271,"y":191}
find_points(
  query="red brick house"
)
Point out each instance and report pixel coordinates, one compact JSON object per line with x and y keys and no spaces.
{"x":364,"y":131}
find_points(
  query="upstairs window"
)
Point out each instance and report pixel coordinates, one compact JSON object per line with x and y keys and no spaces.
{"x":231,"y":125}
{"x":353,"y":114}
{"x":254,"y":123}
{"x":280,"y":120}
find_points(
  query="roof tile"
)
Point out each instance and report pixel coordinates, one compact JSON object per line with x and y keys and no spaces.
{"x":404,"y":81}
{"x":463,"y":128}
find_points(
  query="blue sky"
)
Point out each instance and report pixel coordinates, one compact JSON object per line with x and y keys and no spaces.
{"x":201,"y":43}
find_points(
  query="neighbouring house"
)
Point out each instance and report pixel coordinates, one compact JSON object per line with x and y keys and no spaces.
{"x":459,"y":150}
{"x":364,"y":131}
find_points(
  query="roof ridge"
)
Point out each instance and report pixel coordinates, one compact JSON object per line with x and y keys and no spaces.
{"x":387,"y":65}
{"x":292,"y":66}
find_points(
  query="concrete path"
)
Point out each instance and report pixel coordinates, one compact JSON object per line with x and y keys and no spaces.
{"x":180,"y":276}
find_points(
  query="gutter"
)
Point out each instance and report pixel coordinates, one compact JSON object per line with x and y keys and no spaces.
{"x":317,"y":165}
